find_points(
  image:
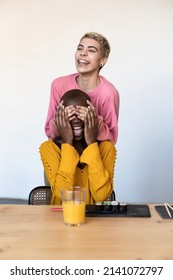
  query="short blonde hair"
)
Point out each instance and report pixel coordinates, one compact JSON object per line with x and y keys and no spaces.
{"x":104,"y":44}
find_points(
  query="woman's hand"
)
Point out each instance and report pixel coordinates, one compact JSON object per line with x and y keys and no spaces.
{"x":81,"y":112}
{"x":62,"y":123}
{"x":91,"y":127}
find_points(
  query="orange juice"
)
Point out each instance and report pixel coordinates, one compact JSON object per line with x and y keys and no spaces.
{"x":74,"y":212}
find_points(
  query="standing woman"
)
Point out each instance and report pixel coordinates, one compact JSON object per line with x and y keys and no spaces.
{"x":91,"y":55}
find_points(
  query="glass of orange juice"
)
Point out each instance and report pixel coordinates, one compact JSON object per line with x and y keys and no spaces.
{"x":73,"y":203}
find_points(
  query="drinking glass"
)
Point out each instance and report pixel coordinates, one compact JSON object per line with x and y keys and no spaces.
{"x":73,"y":204}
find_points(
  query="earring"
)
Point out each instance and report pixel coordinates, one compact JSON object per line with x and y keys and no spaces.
{"x":101,"y":65}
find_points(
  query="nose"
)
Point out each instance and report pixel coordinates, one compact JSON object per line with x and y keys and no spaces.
{"x":83,"y":52}
{"x":76,"y":120}
{"x":75,"y":117}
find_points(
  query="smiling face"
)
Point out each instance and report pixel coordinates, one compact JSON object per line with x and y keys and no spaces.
{"x":77,"y":125}
{"x":88,"y":56}
{"x":76,"y":98}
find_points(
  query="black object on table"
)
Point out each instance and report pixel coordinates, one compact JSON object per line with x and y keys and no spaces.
{"x":132,"y":210}
{"x":163,"y":213}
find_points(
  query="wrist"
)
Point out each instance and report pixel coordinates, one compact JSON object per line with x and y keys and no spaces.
{"x":91,"y":142}
{"x":69,"y":142}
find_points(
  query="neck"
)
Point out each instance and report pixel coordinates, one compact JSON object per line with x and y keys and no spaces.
{"x":80,"y":146}
{"x":88,"y":82}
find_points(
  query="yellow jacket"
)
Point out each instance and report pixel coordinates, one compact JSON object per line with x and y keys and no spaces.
{"x":62,"y":170}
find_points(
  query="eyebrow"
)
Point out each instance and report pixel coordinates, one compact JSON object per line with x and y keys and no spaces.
{"x":89,"y":47}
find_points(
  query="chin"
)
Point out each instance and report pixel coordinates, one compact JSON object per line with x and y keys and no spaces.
{"x":81,"y":70}
{"x":78,"y":138}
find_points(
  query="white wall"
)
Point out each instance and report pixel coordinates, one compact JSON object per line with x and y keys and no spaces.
{"x":38,"y":41}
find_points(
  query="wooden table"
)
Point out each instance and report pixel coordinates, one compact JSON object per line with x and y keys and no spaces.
{"x":36,"y":232}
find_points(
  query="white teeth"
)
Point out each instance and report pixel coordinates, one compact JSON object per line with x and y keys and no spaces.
{"x":82,"y":61}
{"x":77,"y":127}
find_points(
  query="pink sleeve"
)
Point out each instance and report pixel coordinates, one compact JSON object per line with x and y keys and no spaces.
{"x":54,"y":101}
{"x":108,"y":129}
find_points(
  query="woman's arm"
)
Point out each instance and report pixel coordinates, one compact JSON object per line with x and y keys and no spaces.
{"x":50,"y":130}
{"x":59,"y":165}
{"x":101,"y":161}
{"x":108,"y":113}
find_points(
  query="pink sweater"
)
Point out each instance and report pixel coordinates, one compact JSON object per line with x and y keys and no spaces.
{"x":104,"y":97}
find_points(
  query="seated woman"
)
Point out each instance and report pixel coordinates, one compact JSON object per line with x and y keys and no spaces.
{"x":76,"y":158}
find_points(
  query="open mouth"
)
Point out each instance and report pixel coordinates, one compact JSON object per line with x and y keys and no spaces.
{"x":82,"y":61}
{"x":77,"y":130}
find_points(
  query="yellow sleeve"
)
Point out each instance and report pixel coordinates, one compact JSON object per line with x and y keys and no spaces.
{"x":101,"y":162}
{"x":59,"y":165}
